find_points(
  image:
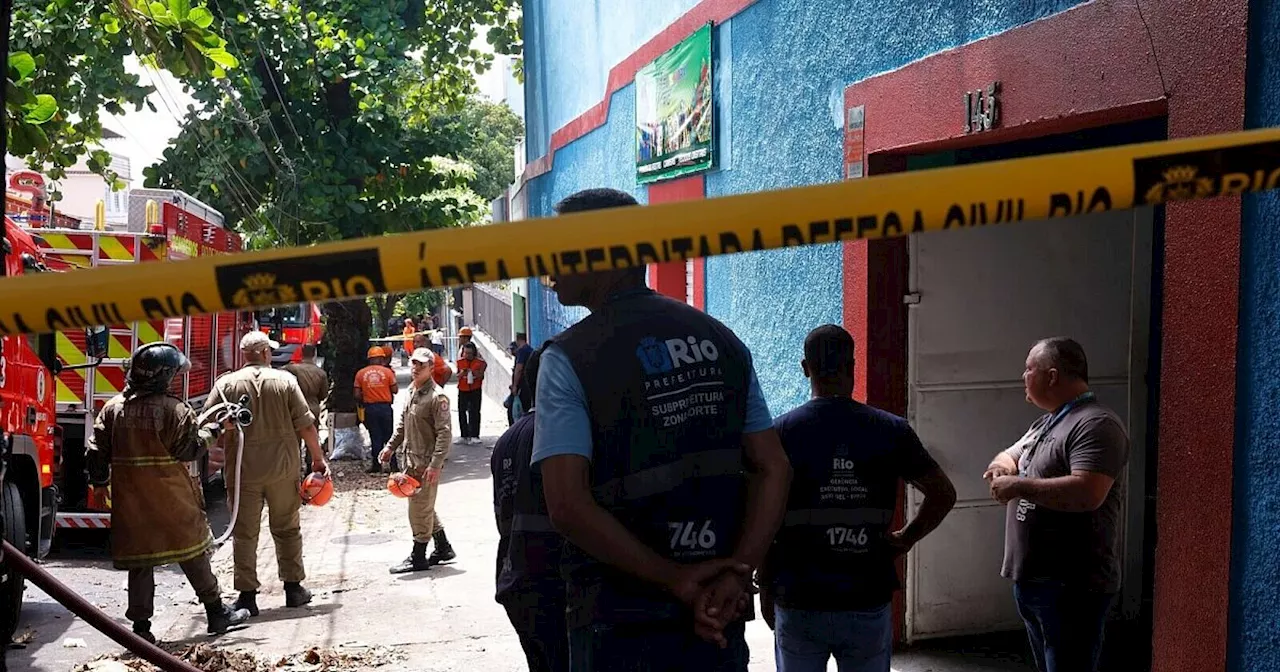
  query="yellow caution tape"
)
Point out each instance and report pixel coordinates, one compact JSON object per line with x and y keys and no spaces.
{"x":1058,"y":185}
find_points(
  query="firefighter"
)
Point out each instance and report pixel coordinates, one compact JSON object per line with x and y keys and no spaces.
{"x":471,"y":368}
{"x":440,"y":371}
{"x":142,"y":437}
{"x":422,"y":438}
{"x":375,"y":390}
{"x":270,"y":472}
{"x":313,"y":381}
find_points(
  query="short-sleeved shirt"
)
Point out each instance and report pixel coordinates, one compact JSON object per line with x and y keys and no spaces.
{"x":847,"y":458}
{"x":314,"y":383}
{"x":280,"y":411}
{"x":523,"y":353}
{"x":374,"y":382}
{"x":1075,"y":548}
{"x":564,"y":425}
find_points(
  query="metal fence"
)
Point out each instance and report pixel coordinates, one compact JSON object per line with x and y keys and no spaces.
{"x":492,"y":310}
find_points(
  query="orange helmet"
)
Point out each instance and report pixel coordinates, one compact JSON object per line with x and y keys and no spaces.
{"x":465,"y":331}
{"x":377,"y":351}
{"x":406,"y":488}
{"x":316,"y":490}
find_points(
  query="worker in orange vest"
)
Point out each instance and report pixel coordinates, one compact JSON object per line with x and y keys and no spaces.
{"x":408,"y":332}
{"x":471,"y":370}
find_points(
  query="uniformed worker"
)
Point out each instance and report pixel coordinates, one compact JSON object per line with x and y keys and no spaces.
{"x":529,"y":585}
{"x":375,"y":389}
{"x":270,"y":472}
{"x":440,"y":371}
{"x":422,"y":440}
{"x":142,"y":437}
{"x":831,"y":571}
{"x":313,"y":381}
{"x":661,"y":468}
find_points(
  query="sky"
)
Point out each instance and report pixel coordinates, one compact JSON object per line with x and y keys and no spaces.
{"x":146,"y":134}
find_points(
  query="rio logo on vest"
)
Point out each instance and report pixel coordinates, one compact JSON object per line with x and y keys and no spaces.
{"x":661,"y":357}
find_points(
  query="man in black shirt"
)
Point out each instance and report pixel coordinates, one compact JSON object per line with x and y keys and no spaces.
{"x":830,"y":575}
{"x":529,"y":585}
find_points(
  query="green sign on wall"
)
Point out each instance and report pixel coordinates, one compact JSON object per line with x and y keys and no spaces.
{"x":674,"y":111}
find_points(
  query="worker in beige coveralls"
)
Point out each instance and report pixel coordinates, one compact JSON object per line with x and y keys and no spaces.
{"x":141,"y":440}
{"x":423,"y":437}
{"x":271,"y":466}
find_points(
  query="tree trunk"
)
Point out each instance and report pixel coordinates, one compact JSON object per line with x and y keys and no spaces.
{"x":348,"y":333}
{"x":386,"y":304}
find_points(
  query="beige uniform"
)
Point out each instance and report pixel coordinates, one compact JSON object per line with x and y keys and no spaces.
{"x":422,"y":439}
{"x":314,"y":383}
{"x":141,"y":445}
{"x":270,"y":474}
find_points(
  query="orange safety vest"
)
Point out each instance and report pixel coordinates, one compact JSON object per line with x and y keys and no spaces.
{"x":476,"y":368}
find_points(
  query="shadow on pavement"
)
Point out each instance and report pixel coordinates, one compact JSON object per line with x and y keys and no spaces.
{"x":467,"y":462}
{"x":437,"y":572}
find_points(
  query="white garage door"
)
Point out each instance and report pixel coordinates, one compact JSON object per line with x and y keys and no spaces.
{"x":982,"y":298}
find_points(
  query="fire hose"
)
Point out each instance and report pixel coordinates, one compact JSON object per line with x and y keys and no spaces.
{"x":240,"y":414}
{"x":91,"y":614}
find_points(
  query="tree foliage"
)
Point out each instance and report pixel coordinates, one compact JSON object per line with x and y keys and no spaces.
{"x":483,"y":134}
{"x":67,"y":65}
{"x":333,"y":128}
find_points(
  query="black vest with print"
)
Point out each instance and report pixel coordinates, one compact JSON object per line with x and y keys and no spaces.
{"x":666,"y":389}
{"x":530,"y":561}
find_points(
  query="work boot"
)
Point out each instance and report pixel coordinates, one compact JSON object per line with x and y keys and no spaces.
{"x":248,"y":601}
{"x":222,"y":617}
{"x":443,"y":552}
{"x":416,"y":562}
{"x":143,"y":630}
{"x":295,"y":595}
{"x":375,"y":468}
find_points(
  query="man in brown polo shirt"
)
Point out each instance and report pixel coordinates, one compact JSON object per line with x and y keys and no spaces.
{"x":1064,"y":485}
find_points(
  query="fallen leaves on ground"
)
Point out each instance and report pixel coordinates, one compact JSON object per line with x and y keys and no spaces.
{"x":212,"y":659}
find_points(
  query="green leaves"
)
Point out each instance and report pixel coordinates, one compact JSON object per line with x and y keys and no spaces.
{"x":21,"y":65}
{"x":40,"y":111}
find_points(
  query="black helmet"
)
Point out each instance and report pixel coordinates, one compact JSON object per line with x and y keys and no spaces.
{"x":152,"y":367}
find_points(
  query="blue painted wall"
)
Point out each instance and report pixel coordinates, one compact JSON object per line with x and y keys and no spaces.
{"x":1255,"y":577}
{"x":781,"y":72}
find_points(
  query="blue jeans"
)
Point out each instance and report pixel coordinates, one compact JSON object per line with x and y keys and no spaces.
{"x":655,"y":647}
{"x":1064,"y":624}
{"x":380,"y":420}
{"x":861,"y":641}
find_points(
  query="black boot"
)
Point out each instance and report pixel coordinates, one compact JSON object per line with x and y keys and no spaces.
{"x":295,"y":595}
{"x":416,"y":562}
{"x":248,"y":601}
{"x":222,"y":617}
{"x":375,"y":468}
{"x":143,"y":630}
{"x":443,"y":552}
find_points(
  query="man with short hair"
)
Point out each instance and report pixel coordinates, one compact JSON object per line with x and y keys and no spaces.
{"x":529,"y":585}
{"x":422,"y":438}
{"x":520,"y":403}
{"x":660,"y":467}
{"x":1064,"y":485}
{"x":831,"y":571}
{"x":269,"y":474}
{"x":312,"y":379}
{"x":375,"y":390}
{"x":471,"y":370}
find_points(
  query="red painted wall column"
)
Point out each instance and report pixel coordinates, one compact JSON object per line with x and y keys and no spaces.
{"x":669,"y":279}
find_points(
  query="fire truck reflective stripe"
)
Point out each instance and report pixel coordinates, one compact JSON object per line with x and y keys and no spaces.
{"x":142,"y":461}
{"x":118,"y":348}
{"x":109,"y":381}
{"x":84,"y":521}
{"x":169,"y":557}
{"x":149,"y":332}
{"x":71,"y":355}
{"x":153,"y":248}
{"x":110,"y":247}
{"x":58,"y":241}
{"x":65,"y":395}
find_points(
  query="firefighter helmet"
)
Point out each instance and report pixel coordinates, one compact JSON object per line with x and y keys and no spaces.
{"x":403,"y":485}
{"x":152,"y":368}
{"x":316,"y":489}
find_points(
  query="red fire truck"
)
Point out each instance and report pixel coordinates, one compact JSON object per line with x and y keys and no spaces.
{"x":291,"y":326}
{"x":32,"y":439}
{"x":163,"y":225}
